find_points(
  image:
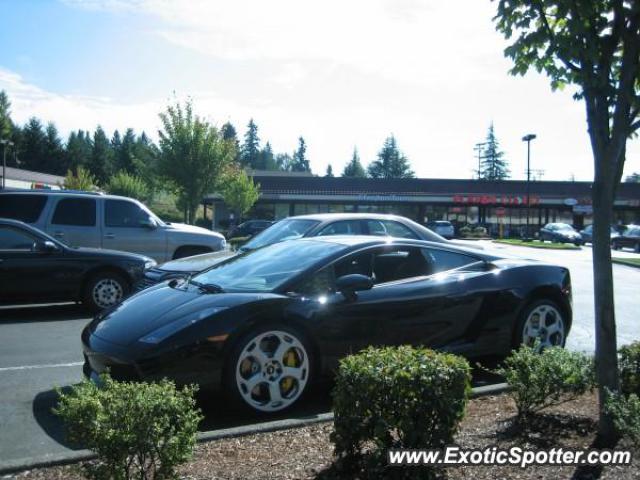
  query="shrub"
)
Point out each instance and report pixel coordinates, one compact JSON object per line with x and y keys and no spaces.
{"x":466,"y":231}
{"x":541,"y":379}
{"x":630,"y":368}
{"x":398,"y":398}
{"x":625,"y":411}
{"x":80,"y":180}
{"x":138,"y":430}
{"x":480,"y":231}
{"x":127,"y":185}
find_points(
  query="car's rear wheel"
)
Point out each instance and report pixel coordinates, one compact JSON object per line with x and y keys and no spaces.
{"x":541,"y":321}
{"x":105,"y":289}
{"x":269,"y":369}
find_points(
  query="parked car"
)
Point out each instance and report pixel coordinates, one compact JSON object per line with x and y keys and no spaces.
{"x":587,"y":233}
{"x":36,"y":268}
{"x":442,"y":227}
{"x":249,"y":228}
{"x":297,"y":227}
{"x":560,"y":233}
{"x":84,"y":219}
{"x":629,"y":238}
{"x":266,"y":324}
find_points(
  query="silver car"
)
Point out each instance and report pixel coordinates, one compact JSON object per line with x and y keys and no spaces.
{"x":84,"y":219}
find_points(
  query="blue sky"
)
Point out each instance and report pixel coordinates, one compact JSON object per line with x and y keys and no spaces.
{"x":342,"y":74}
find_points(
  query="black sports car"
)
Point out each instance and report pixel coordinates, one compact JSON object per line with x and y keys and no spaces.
{"x":265,"y":324}
{"x":36,"y":268}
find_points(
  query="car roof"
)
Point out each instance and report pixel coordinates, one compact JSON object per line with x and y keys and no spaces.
{"x":65,"y":193}
{"x":346,"y":216}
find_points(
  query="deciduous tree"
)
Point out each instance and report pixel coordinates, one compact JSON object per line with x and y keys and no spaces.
{"x":239,"y":192}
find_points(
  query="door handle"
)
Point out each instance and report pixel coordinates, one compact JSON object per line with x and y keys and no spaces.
{"x":58,"y":234}
{"x":109,"y":235}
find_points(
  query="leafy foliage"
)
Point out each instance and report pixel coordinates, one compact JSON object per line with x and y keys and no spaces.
{"x":354,"y":168}
{"x":398,"y":398}
{"x":630,"y":368}
{"x":391,"y":163}
{"x":239,"y":192}
{"x":138,"y":430}
{"x":625,"y":411}
{"x":80,"y":180}
{"x":493,"y":165}
{"x":541,"y":379}
{"x":127,"y":185}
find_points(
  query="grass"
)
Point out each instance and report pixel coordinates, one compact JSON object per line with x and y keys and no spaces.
{"x":632,"y":262}
{"x":538,"y":244}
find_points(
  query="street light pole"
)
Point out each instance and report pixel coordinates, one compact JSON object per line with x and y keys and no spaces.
{"x":528,"y":138}
{"x":5,"y":144}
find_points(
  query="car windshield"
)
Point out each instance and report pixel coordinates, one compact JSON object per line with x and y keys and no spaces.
{"x":265,"y":269}
{"x":564,"y":227}
{"x":289,"y":229}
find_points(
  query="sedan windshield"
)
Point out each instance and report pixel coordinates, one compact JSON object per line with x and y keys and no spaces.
{"x":267,"y":268}
{"x":281,"y":231}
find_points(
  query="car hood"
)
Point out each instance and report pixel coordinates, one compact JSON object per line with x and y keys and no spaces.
{"x":158,"y":306}
{"x":183,"y":227}
{"x":197,"y":263}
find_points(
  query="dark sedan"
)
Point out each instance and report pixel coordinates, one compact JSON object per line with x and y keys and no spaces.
{"x":320,"y":225}
{"x":249,"y":228}
{"x":560,"y":233}
{"x":36,"y":268}
{"x":265,"y":324}
{"x":629,"y":238}
{"x":587,"y":233}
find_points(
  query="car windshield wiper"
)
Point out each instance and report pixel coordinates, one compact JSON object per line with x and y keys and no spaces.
{"x":208,"y":287}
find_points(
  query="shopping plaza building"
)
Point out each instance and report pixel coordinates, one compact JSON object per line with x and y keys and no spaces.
{"x":500,"y":206}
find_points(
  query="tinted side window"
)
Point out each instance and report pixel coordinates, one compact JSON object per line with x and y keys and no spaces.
{"x":376,"y":227}
{"x":120,"y":213}
{"x":75,"y":211}
{"x":14,"y":239}
{"x":396,"y":229}
{"x":442,"y":260}
{"x":345,"y":227}
{"x":26,"y":208}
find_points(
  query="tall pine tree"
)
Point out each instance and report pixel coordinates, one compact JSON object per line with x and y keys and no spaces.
{"x":6,"y":125}
{"x":54,"y":151}
{"x":391,"y":162}
{"x":102,"y":161}
{"x":300,"y":161}
{"x":33,"y":147}
{"x":78,"y":151}
{"x":250,"y":150}
{"x":493,"y":165}
{"x":354,"y":168}
{"x":329,"y":173}
{"x":230,"y":135}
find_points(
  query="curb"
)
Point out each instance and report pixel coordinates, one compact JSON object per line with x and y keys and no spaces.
{"x":621,"y":261}
{"x":22,"y":464}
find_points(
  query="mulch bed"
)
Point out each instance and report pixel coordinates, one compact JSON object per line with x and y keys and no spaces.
{"x":306,"y":453}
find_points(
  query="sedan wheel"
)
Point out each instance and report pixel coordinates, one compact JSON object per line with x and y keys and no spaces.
{"x":271,"y":370}
{"x":542,"y":321}
{"x":105,"y":290}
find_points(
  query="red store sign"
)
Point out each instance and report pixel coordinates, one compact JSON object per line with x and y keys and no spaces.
{"x":495,"y":199}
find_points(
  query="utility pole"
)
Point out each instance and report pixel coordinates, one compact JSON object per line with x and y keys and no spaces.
{"x":5,"y":144}
{"x":528,"y":138}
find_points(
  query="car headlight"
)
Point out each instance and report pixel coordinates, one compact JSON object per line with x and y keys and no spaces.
{"x":166,"y":331}
{"x":149,"y":264}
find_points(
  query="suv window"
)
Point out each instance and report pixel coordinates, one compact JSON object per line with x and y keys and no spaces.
{"x":14,"y":239}
{"x":79,"y":212}
{"x":343,"y":227}
{"x":26,"y":208}
{"x":120,"y":213}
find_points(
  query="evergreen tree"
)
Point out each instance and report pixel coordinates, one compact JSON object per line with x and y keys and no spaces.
{"x":33,"y":147}
{"x":6,"y":125}
{"x":300,"y":161}
{"x":267,"y":159}
{"x":391,"y":162}
{"x":230,"y":135}
{"x":145,"y":162}
{"x":493,"y":165}
{"x":78,"y":151}
{"x":250,"y":150}
{"x":354,"y":168}
{"x":125,"y":155}
{"x":329,"y":171}
{"x":102,"y":160}
{"x":284,"y":162}
{"x":54,"y":151}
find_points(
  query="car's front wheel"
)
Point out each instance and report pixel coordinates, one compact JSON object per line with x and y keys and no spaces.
{"x":269,"y":368}
{"x":105,"y":289}
{"x":541,"y":321}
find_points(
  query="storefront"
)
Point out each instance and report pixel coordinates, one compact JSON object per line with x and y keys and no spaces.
{"x":501,"y":207}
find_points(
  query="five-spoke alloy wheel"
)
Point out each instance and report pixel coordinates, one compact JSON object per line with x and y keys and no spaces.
{"x":271,"y":369}
{"x":542,"y":321}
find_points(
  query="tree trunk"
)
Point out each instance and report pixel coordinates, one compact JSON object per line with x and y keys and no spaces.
{"x":605,"y":324}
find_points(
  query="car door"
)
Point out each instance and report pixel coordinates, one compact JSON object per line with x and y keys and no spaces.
{"x":73,"y":221}
{"x":27,"y":274}
{"x":128,"y":227}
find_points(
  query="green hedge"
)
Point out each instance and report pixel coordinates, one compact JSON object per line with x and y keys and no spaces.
{"x":137,"y":430}
{"x":625,"y":411}
{"x":630,"y":368}
{"x":398,"y":398}
{"x":541,"y":379}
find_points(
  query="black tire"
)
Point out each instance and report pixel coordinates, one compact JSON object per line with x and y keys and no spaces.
{"x":104,"y":289}
{"x":183,"y":252}
{"x":518,"y":332}
{"x":232,"y":364}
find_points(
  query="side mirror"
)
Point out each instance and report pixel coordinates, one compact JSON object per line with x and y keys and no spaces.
{"x":348,"y":285}
{"x":45,"y":247}
{"x":148,"y":223}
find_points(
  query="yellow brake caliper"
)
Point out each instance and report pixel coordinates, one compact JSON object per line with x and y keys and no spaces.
{"x":289,"y":361}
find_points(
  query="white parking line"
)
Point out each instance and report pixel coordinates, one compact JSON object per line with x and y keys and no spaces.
{"x":34,"y":367}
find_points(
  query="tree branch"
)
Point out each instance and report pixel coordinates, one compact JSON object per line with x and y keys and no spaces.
{"x":552,"y":38}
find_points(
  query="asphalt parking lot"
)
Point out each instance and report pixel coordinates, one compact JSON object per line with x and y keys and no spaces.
{"x":40,"y":349}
